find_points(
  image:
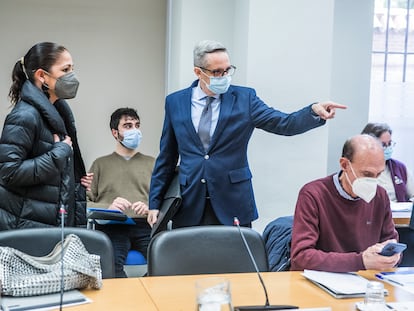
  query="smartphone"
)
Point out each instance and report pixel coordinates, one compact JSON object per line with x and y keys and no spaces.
{"x":393,"y":248}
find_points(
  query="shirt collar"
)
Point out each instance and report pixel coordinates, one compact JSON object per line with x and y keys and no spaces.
{"x":341,"y":190}
{"x":199,"y":94}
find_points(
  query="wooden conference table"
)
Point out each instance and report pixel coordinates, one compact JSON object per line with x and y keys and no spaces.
{"x":175,"y":293}
{"x":401,"y":219}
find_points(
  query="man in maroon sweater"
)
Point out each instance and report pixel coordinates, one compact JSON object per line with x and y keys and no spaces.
{"x":343,"y":221}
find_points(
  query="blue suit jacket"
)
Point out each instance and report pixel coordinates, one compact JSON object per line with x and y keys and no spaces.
{"x":224,"y":168}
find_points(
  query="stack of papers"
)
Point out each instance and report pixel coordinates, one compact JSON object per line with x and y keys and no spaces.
{"x":403,"y":278}
{"x":401,"y":206}
{"x":401,"y":306}
{"x":339,"y":285}
{"x":392,"y":306}
{"x":43,"y":302}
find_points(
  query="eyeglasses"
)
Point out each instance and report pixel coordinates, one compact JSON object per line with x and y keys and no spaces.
{"x":220,"y":73}
{"x":391,"y":143}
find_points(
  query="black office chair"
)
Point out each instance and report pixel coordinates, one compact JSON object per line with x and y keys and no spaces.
{"x":205,"y":249}
{"x":41,"y":241}
{"x":406,"y":235}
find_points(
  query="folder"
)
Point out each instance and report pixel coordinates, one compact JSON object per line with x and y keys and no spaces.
{"x":339,"y":285}
{"x":105,"y":216}
{"x":169,"y":206}
{"x":43,"y":302}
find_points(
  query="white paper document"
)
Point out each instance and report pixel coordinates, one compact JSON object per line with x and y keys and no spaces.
{"x":339,"y":285}
{"x":401,"y":206}
{"x":401,"y":306}
{"x":391,"y":306}
{"x":43,"y":302}
{"x":402,"y":278}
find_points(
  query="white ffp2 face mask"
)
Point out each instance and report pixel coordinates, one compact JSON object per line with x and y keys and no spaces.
{"x":363,"y":187}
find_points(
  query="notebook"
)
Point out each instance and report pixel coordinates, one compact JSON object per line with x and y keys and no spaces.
{"x":43,"y":302}
{"x":339,"y":285}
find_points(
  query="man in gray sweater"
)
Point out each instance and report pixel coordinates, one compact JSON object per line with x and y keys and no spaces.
{"x":121,"y":182}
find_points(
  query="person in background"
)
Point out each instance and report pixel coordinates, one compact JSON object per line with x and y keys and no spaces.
{"x":42,"y":173}
{"x":343,"y":221}
{"x":396,"y":178}
{"x":208,"y":127}
{"x":121,"y":182}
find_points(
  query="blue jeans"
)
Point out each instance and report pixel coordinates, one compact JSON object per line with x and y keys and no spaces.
{"x":125,"y":238}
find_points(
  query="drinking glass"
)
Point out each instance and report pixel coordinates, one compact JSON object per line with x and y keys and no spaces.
{"x":213,"y":294}
{"x":374,"y":297}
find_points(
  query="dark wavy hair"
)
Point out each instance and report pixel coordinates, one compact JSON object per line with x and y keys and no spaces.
{"x":119,"y":113}
{"x":40,"y":56}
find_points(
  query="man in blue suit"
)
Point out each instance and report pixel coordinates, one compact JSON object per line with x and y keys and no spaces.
{"x":214,"y":174}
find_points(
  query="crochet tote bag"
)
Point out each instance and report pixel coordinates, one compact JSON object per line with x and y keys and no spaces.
{"x":25,"y":275}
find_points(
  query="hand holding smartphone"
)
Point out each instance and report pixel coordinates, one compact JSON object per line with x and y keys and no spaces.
{"x":392,"y":248}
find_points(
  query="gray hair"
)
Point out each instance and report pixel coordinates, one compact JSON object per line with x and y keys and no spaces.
{"x":206,"y":47}
{"x":376,"y":129}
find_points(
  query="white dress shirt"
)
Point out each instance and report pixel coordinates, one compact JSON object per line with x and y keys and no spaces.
{"x":198,"y":102}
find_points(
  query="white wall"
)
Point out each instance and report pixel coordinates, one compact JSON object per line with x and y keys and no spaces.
{"x":118,"y":49}
{"x":292,"y":52}
{"x":289,"y":67}
{"x":351,"y":71}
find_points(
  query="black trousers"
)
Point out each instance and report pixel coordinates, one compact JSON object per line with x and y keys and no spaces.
{"x":210,"y":218}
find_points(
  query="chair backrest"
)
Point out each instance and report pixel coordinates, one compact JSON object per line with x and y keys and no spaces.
{"x":406,"y":235}
{"x":41,"y":241}
{"x":205,"y":249}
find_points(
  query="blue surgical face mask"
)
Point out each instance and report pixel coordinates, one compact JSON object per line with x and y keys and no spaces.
{"x":388,"y":153}
{"x":219,"y":85}
{"x":132,"y":139}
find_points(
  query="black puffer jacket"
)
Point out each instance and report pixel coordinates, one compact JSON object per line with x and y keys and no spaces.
{"x":38,"y":175}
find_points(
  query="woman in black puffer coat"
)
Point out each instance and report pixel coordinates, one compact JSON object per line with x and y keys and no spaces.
{"x":41,"y":168}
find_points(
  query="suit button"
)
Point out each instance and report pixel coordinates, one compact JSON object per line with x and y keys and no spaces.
{"x":206,"y":157}
{"x":203,"y":180}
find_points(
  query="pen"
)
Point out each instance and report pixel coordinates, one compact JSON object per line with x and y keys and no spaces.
{"x":381,"y":277}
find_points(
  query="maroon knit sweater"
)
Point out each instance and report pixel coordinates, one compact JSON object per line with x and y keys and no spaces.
{"x":330,"y":232}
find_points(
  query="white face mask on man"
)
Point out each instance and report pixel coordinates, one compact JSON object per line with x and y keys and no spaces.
{"x":363,"y":187}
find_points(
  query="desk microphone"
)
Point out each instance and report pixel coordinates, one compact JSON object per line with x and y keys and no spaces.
{"x":62,"y":212}
{"x":266,"y":306}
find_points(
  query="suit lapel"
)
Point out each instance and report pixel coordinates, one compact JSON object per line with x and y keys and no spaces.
{"x":186,"y":112}
{"x":227,"y":101}
{"x":226,"y":107}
